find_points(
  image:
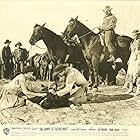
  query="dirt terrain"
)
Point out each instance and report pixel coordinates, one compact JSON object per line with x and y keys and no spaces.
{"x":110,"y":106}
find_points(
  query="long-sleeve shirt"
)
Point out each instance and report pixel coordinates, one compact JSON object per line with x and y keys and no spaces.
{"x":17,"y":54}
{"x":109,"y":22}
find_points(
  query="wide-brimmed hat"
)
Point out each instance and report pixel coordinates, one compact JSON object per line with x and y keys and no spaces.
{"x":18,"y":44}
{"x":136,"y":32}
{"x":59,"y":69}
{"x":107,"y":8}
{"x":7,"y":41}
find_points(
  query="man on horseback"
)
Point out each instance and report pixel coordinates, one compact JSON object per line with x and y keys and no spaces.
{"x":108,"y":26}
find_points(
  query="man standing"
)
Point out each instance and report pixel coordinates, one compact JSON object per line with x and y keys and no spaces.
{"x":108,"y":26}
{"x":7,"y":59}
{"x":19,"y":64}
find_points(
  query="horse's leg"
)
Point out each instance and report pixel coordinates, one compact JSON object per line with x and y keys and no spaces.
{"x":2,"y":70}
{"x":95,"y":65}
{"x":21,"y":66}
{"x":86,"y":70}
{"x":41,"y":72}
{"x":90,"y":76}
{"x":125,"y":66}
{"x":45,"y":73}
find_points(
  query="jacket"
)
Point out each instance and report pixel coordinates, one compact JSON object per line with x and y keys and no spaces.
{"x":6,"y":53}
{"x":109,"y":22}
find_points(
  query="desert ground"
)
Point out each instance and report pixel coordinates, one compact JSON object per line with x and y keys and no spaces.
{"x":109,"y":106}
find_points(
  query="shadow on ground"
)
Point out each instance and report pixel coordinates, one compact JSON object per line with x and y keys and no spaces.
{"x":101,"y":98}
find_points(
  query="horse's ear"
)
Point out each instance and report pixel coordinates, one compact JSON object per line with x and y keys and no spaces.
{"x":71,"y":19}
{"x":36,"y":25}
{"x":44,"y":24}
{"x":76,"y":18}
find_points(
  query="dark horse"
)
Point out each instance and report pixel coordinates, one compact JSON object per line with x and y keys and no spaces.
{"x":57,"y":48}
{"x":93,"y":49}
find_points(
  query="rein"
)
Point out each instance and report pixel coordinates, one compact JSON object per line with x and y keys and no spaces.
{"x":87,"y":33}
{"x":39,"y":47}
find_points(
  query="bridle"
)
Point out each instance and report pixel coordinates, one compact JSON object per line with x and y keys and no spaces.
{"x":84,"y":34}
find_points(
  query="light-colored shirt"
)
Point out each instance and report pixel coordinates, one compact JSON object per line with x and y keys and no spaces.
{"x":73,"y":76}
{"x":109,"y":22}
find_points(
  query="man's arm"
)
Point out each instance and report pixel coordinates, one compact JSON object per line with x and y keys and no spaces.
{"x":70,"y":80}
{"x":28,"y":93}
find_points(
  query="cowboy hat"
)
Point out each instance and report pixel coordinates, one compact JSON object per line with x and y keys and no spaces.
{"x":7,"y":41}
{"x":18,"y":43}
{"x":107,"y":8}
{"x":59,"y":68}
{"x":136,"y":32}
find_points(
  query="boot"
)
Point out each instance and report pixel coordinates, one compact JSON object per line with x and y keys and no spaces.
{"x":113,"y":56}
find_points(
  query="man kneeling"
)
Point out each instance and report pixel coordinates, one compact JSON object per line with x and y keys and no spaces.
{"x":75,"y":84}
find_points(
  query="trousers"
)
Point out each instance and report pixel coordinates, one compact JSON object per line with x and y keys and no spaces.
{"x":108,"y":35}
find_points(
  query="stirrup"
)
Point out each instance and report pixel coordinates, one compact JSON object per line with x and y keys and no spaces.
{"x":118,"y":60}
{"x":111,"y":59}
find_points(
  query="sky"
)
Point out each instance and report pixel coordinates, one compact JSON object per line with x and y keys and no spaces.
{"x":17,"y":17}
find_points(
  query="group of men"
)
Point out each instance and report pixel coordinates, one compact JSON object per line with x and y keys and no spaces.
{"x":74,"y":87}
{"x":12,"y":63}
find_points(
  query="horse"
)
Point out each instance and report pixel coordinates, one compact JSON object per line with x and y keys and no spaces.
{"x":58,"y":49}
{"x":46,"y":67}
{"x":43,"y":66}
{"x":93,"y":49}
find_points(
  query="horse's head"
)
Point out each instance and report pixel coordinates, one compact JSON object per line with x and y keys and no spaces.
{"x":37,"y":34}
{"x":71,"y":28}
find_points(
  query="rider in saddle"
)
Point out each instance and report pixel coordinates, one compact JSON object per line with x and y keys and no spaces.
{"x":108,"y":26}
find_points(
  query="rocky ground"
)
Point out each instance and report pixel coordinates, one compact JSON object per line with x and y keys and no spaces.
{"x":110,"y":106}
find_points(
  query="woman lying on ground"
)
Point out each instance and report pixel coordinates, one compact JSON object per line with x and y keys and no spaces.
{"x":15,"y":93}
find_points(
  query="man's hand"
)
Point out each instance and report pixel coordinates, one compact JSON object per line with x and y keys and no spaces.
{"x":59,"y":94}
{"x":100,"y":28}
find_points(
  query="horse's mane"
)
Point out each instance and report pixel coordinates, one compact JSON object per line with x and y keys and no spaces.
{"x":51,"y":34}
{"x":84,"y":27}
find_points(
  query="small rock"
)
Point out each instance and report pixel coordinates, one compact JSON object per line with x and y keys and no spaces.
{"x":72,"y":106}
{"x":102,"y":113}
{"x":63,"y":116}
